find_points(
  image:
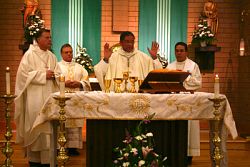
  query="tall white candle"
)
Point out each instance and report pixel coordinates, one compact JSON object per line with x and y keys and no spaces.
{"x":216,"y":86}
{"x":7,"y":80}
{"x":62,"y":85}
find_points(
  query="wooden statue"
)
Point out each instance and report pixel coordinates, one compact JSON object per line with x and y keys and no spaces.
{"x":210,"y":12}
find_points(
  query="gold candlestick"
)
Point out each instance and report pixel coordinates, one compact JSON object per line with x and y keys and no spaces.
{"x":62,"y":156}
{"x":217,"y":155}
{"x":118,"y":82}
{"x":133,"y":80}
{"x":7,"y":150}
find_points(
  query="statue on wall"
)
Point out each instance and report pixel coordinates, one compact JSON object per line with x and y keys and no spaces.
{"x":210,"y":13}
{"x":30,"y":8}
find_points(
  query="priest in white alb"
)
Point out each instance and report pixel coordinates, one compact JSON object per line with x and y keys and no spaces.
{"x":126,"y":59}
{"x":76,"y":78}
{"x":192,"y":83}
{"x":35,"y":81}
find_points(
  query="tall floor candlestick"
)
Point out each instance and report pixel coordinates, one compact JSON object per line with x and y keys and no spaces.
{"x":62,"y":156}
{"x":7,"y":150}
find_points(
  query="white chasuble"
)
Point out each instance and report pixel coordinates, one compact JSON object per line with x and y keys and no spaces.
{"x":136,"y":63}
{"x":32,"y":89}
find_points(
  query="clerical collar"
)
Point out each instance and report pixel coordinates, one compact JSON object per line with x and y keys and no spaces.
{"x":67,"y":63}
{"x":126,"y":54}
{"x":181,"y":62}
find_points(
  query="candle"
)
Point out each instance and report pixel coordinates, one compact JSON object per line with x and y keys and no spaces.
{"x":62,"y":85}
{"x":7,"y":80}
{"x":216,"y":86}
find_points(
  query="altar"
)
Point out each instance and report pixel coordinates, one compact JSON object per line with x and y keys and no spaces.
{"x":98,"y":105}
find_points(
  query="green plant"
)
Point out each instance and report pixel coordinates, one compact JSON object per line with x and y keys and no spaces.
{"x":138,"y":150}
{"x":33,"y":25}
{"x":203,"y":33}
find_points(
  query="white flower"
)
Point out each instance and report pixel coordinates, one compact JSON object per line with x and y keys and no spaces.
{"x":138,"y":138}
{"x":149,"y":134}
{"x":125,"y":164}
{"x":134,"y":151}
{"x":141,"y":162}
{"x":126,"y":154}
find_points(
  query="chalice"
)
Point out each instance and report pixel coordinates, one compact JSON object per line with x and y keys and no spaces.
{"x":133,"y":80}
{"x":107,"y":84}
{"x":118,"y":82}
{"x":125,"y":77}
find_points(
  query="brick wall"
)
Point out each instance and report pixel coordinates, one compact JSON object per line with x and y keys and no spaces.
{"x":228,"y":38}
{"x":11,"y":32}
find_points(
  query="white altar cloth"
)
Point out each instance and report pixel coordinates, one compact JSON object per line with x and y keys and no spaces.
{"x":128,"y":106}
{"x":133,"y":106}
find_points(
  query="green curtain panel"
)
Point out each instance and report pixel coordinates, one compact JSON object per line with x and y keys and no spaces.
{"x":179,"y":11}
{"x":148,"y":25}
{"x":59,"y":25}
{"x":91,"y":26}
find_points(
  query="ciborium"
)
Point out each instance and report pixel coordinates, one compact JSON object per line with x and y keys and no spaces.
{"x":132,"y":81}
{"x":118,"y":82}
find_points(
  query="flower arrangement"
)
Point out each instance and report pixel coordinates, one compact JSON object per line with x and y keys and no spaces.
{"x":203,"y":33}
{"x":138,"y":149}
{"x":33,"y":25}
{"x":84,"y":59}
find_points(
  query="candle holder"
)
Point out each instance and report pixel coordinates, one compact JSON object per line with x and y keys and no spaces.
{"x":217,"y":155}
{"x":7,"y":150}
{"x":62,"y":156}
{"x":133,"y":80}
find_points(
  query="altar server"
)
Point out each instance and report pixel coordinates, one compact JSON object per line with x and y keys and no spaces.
{"x":76,"y":78}
{"x":192,"y":82}
{"x":35,"y":81}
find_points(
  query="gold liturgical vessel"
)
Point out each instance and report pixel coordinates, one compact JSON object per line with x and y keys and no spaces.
{"x":118,"y":82}
{"x":133,"y":80}
{"x":125,"y":77}
{"x":107,"y":84}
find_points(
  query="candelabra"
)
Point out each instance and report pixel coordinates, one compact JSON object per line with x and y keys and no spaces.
{"x":62,"y":156}
{"x":217,"y":155}
{"x":7,"y":150}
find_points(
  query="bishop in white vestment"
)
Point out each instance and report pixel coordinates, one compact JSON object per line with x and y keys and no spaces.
{"x":192,"y":82}
{"x":35,"y":81}
{"x":125,"y":59}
